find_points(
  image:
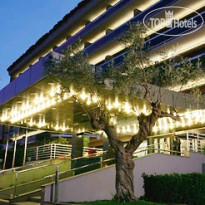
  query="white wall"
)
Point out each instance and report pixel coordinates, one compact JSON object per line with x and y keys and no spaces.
{"x":100,"y":185}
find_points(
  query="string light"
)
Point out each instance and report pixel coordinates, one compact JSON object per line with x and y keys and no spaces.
{"x":116,"y":103}
{"x":95,"y":99}
{"x":83,"y":95}
{"x":24,"y":111}
{"x":127,"y":108}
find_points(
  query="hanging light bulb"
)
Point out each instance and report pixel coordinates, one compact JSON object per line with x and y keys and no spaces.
{"x":109,"y":105}
{"x":123,"y":129}
{"x":160,"y":124}
{"x":88,"y":101}
{"x":116,"y":103}
{"x":135,"y":128}
{"x":145,"y":109}
{"x":83,"y":95}
{"x":183,"y":124}
{"x":118,"y":130}
{"x":72,"y":92}
{"x":155,"y":129}
{"x":203,"y":116}
{"x":64,"y":127}
{"x":127,"y":108}
{"x":128,"y":128}
{"x":165,"y":124}
{"x":57,"y":127}
{"x":95,"y":98}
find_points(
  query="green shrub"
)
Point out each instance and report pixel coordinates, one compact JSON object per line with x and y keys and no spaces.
{"x":175,"y":188}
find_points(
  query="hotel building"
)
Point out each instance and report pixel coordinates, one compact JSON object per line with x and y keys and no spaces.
{"x":28,"y":100}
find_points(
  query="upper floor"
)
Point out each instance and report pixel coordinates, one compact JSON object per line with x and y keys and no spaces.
{"x":99,"y":24}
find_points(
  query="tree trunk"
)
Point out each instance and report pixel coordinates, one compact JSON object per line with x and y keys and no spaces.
{"x":124,"y":167}
{"x":123,"y":152}
{"x":124,"y":176}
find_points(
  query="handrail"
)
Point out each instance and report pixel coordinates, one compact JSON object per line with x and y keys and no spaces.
{"x":33,"y":168}
{"x":103,"y":162}
{"x":23,"y":167}
{"x":102,"y":152}
{"x":111,"y":159}
{"x":96,"y":163}
{"x":54,"y":151}
{"x":49,"y":160}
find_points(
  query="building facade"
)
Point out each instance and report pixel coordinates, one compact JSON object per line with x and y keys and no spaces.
{"x":27,"y":101}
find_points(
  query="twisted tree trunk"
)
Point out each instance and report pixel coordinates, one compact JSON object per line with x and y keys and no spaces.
{"x":124,"y":167}
{"x":123,"y":154}
{"x":124,"y":176}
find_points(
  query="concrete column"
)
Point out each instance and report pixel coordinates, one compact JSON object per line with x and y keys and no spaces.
{"x":187,"y":141}
{"x":198,"y":143}
{"x":77,"y":146}
{"x":54,"y":154}
{"x":158,"y":146}
{"x":56,"y":184}
{"x":6,"y":152}
{"x":105,"y":143}
{"x":150,"y":141}
{"x":51,"y":151}
{"x":14,"y":154}
{"x":25,"y":148}
{"x":37,"y":153}
{"x":108,"y":151}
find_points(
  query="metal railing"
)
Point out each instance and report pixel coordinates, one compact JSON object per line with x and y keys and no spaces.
{"x":18,"y":182}
{"x":49,"y":151}
{"x":18,"y":187}
{"x":76,"y":166}
{"x":54,"y":151}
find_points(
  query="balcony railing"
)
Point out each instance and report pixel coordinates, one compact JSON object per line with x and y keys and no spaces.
{"x":92,"y":25}
{"x":154,"y":42}
{"x":122,"y":29}
{"x":56,"y":151}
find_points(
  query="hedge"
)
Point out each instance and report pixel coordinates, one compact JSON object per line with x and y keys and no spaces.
{"x":175,"y":188}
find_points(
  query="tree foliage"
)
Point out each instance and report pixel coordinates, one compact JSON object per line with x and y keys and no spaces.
{"x":134,"y":78}
{"x":139,"y":70}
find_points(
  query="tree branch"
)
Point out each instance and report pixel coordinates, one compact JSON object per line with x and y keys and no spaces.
{"x":112,"y":137}
{"x":171,"y":115}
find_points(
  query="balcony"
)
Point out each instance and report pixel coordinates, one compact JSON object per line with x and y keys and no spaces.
{"x":155,"y":42}
{"x":92,"y":25}
{"x":122,"y":29}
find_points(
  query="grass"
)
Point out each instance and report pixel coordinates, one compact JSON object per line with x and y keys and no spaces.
{"x":118,"y":203}
{"x":32,"y":179}
{"x":7,"y":180}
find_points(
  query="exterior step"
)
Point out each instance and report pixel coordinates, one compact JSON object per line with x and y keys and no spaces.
{"x":26,"y":197}
{"x":4,"y":202}
{"x":26,"y":203}
{"x":35,"y":199}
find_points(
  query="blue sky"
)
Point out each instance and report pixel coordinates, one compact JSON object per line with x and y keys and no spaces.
{"x":22,"y":23}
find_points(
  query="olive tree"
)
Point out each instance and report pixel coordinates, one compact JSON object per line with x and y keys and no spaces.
{"x":134,"y":79}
